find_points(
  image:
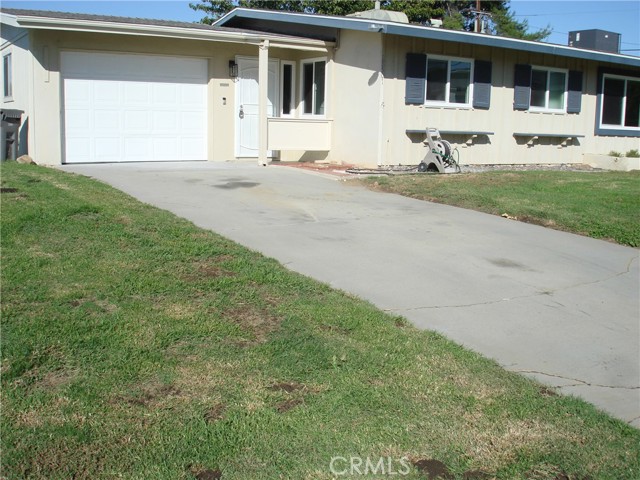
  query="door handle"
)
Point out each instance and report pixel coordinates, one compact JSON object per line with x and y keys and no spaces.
{"x":241,"y":113}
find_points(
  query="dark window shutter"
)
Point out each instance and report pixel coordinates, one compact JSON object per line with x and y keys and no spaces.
{"x":481,"y":84}
{"x":522,"y":87}
{"x":574,"y":96}
{"x":415,"y":75}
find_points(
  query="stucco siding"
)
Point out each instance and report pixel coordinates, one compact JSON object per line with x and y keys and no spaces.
{"x":15,"y":41}
{"x":48,"y":91}
{"x":355,"y":98}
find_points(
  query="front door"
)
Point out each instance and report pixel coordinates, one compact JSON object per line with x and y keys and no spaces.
{"x":247,"y":95}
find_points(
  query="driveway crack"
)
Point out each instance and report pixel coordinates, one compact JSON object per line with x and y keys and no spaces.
{"x":490,"y":302}
{"x":519,"y":297}
{"x":579,"y":383}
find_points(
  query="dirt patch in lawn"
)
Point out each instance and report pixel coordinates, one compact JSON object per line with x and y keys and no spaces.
{"x":202,"y":473}
{"x":254,"y":320}
{"x":286,"y":387}
{"x":94,"y":305}
{"x":208,"y":269}
{"x":287,"y":405}
{"x":149,"y":396}
{"x":215,"y":413}
{"x":435,"y":469}
{"x":56,"y":379}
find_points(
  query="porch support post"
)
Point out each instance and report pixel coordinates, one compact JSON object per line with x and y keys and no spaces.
{"x":263,"y":79}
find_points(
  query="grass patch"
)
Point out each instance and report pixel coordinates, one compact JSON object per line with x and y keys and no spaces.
{"x":600,"y":205}
{"x":136,"y":345}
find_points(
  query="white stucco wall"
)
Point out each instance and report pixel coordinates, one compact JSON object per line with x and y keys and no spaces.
{"x":364,"y":99}
{"x":356,"y":98}
{"x":48,"y":132}
{"x":16,"y":42}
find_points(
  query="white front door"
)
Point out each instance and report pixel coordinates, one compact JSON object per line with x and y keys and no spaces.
{"x":247,"y":94}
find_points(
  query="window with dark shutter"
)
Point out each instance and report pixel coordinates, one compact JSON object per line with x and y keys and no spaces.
{"x":574,"y":97}
{"x":522,"y":87}
{"x":482,"y":84}
{"x":415,"y":75}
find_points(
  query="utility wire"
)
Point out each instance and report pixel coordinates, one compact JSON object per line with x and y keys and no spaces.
{"x":567,"y":33}
{"x":573,"y":13}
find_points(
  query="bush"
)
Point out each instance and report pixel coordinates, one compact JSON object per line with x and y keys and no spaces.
{"x":633,"y":153}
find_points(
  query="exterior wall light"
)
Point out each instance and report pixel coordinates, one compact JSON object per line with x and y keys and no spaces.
{"x":233,"y":69}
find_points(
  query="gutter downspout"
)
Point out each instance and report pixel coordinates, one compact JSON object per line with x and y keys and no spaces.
{"x":381,"y":158}
{"x":263,"y":79}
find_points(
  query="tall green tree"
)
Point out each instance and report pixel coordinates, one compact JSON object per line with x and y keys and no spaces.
{"x":456,"y":14}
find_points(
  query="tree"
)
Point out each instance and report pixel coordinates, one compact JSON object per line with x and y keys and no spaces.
{"x":505,"y":25}
{"x":456,"y":14}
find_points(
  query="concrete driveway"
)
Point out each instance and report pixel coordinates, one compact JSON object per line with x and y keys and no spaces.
{"x":558,"y":307}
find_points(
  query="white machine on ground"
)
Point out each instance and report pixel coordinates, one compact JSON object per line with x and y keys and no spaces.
{"x":440,"y":155}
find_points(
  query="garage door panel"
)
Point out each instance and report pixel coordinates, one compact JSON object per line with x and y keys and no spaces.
{"x":136,"y":93}
{"x":77,"y":92}
{"x":137,"y":121}
{"x":165,"y":148}
{"x":134,"y":108}
{"x":192,"y":123}
{"x":79,"y":120}
{"x":192,"y":94}
{"x":136,"y":149}
{"x":164,"y":122}
{"x":79,"y":148}
{"x":107,"y":120}
{"x":107,"y":149}
{"x":192,"y":147}
{"x":164,"y":93}
{"x":106,"y":92}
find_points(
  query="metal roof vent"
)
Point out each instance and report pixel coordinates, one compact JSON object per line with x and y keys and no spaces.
{"x":383,"y":15}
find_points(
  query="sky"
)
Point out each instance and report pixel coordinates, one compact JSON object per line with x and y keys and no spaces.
{"x":562,"y":16}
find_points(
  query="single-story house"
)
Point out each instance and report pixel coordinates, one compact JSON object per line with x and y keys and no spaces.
{"x":286,"y":86}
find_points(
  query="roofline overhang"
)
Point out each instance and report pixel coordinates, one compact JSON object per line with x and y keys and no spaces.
{"x":123,"y":28}
{"x":419,"y":31}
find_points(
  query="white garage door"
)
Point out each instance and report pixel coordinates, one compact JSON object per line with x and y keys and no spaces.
{"x":133,"y":108}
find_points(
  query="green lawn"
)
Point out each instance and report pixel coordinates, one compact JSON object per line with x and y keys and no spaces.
{"x":136,"y":345}
{"x":598,"y":204}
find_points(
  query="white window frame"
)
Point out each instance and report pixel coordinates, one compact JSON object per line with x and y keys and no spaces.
{"x":7,"y":87}
{"x":313,"y":96}
{"x":447,"y":102}
{"x":293,"y":89}
{"x":546,"y":108}
{"x":608,"y":126}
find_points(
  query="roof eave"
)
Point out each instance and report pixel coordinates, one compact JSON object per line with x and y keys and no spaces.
{"x":395,"y":28}
{"x":519,"y":45}
{"x":10,"y":20}
{"x":93,"y":26}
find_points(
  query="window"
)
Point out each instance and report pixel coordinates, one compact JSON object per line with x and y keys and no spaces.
{"x":448,"y":81}
{"x":287,"y":84}
{"x":620,"y":102}
{"x":548,"y":89}
{"x":7,"y":86}
{"x":313,"y":86}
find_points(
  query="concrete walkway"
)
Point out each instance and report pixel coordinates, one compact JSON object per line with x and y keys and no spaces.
{"x":558,"y":307}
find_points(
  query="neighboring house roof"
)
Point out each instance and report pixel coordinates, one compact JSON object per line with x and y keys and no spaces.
{"x":43,"y":19}
{"x":103,"y":18}
{"x":325,"y":27}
